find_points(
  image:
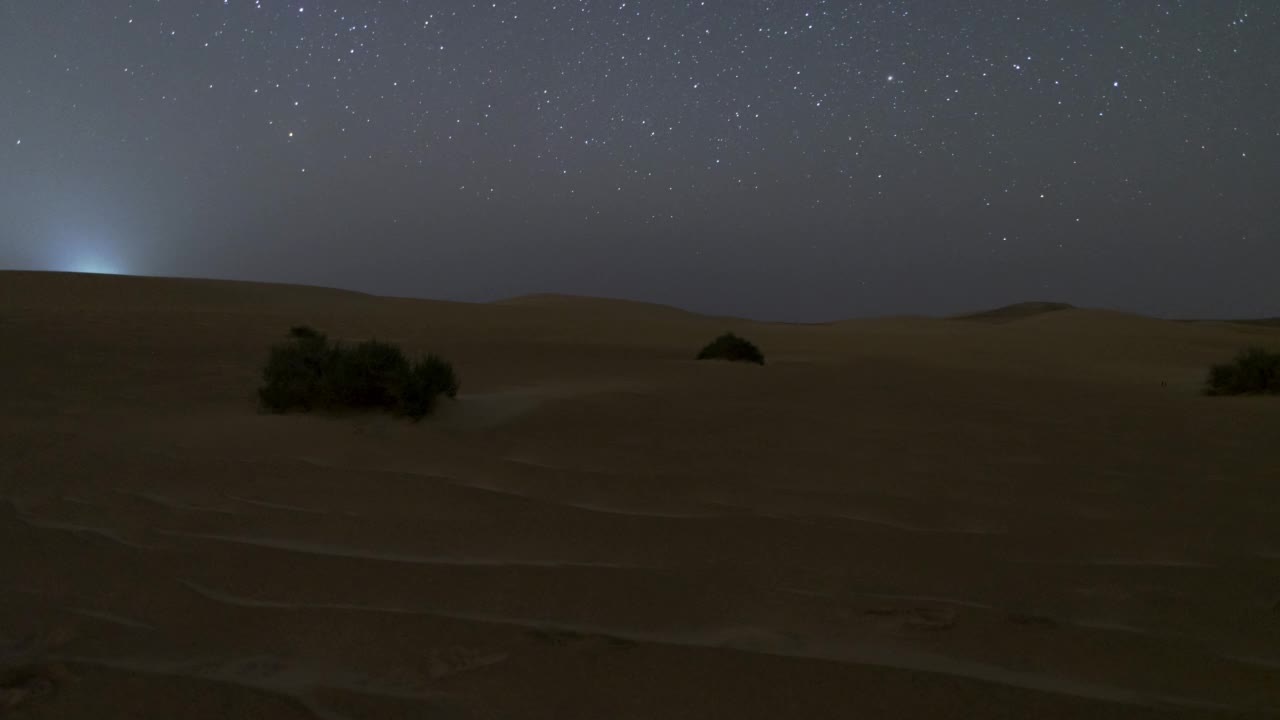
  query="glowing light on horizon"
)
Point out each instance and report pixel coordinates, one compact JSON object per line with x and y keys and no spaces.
{"x":94,"y":264}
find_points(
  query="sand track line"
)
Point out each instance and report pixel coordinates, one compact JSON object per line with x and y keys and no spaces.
{"x":80,"y":529}
{"x":172,"y":504}
{"x":112,"y":618}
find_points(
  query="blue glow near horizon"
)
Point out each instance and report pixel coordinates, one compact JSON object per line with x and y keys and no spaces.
{"x":95,"y":263}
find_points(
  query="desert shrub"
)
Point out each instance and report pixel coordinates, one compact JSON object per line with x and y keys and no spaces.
{"x":428,"y":378}
{"x":731,"y":347}
{"x":1254,"y":371}
{"x":307,"y":372}
{"x":367,"y":376}
{"x":297,"y":373}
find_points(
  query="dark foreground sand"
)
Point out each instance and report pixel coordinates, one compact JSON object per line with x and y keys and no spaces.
{"x":1006,"y":516}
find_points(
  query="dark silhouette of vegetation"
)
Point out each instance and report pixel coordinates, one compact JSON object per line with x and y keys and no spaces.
{"x":368,"y":376}
{"x":308,"y":372}
{"x":297,"y":373}
{"x":1254,"y":371}
{"x":731,"y":347}
{"x":427,"y":379}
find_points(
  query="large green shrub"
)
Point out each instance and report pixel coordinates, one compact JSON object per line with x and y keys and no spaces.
{"x":307,"y":372}
{"x":1254,"y":371}
{"x":731,"y":347}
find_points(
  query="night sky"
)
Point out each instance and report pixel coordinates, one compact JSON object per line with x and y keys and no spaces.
{"x":775,"y":159}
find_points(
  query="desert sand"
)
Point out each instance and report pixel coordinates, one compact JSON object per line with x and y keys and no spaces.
{"x":1032,"y":513}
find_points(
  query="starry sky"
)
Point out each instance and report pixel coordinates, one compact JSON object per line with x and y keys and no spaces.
{"x":778,"y":159}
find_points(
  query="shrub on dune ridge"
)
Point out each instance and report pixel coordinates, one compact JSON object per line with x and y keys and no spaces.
{"x":1254,"y":371}
{"x":308,"y":372}
{"x":731,"y":347}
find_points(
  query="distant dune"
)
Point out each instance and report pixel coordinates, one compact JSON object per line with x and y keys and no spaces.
{"x":1010,"y":313}
{"x":1036,"y":514}
{"x":554,"y":300}
{"x":1265,"y":322}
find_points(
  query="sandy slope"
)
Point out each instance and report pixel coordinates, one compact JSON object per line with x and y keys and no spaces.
{"x":894,"y":518}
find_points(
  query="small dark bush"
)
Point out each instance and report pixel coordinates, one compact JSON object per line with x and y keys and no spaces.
{"x":731,"y":347}
{"x":429,"y":377}
{"x":309,"y":373}
{"x":297,"y":374}
{"x":368,"y":375}
{"x":1254,"y":371}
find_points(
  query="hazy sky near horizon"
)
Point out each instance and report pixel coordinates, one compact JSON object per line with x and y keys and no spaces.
{"x":777,"y":159}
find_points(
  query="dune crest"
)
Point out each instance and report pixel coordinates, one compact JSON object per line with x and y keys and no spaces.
{"x":1015,"y":312}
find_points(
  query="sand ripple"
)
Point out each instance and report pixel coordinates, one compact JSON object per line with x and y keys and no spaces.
{"x":346,"y":551}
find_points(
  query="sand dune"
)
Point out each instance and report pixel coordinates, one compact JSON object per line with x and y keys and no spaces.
{"x":1019,"y":311}
{"x":1033,"y":515}
{"x":585,"y":304}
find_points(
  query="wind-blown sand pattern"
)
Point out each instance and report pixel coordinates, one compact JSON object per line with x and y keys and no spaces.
{"x":893,"y":518}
